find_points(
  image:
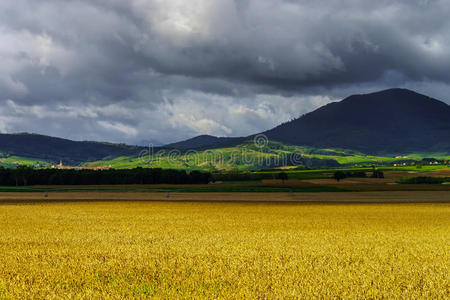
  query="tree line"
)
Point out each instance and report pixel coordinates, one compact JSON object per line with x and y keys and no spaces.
{"x":339,"y":175}
{"x":23,"y":176}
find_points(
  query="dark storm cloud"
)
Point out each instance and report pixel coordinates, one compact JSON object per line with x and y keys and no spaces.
{"x":165,"y":70}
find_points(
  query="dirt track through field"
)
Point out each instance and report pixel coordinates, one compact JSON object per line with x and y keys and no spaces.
{"x":324,"y":197}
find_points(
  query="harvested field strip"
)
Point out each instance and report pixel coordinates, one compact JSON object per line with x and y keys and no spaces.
{"x":325,"y":197}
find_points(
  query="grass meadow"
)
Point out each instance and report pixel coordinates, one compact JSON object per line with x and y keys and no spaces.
{"x":224,"y":250}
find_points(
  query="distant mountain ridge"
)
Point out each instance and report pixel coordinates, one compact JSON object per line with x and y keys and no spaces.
{"x":206,"y":141}
{"x":390,"y":121}
{"x":56,"y":149}
{"x":395,"y":121}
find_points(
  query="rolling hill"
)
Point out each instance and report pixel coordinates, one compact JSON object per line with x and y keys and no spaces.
{"x":274,"y":155}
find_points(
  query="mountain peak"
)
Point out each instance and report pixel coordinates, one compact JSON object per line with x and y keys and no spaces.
{"x":389,"y":121}
{"x":397,"y":91}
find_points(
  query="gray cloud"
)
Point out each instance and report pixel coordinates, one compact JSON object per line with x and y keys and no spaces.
{"x":166,"y":70}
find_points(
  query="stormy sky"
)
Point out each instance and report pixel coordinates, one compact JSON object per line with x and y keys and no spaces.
{"x":167,"y":70}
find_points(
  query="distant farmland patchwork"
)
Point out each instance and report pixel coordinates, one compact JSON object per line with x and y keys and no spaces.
{"x":248,"y":156}
{"x":243,"y":157}
{"x":225,"y":250}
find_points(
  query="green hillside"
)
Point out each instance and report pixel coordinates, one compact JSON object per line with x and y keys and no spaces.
{"x":248,"y":156}
{"x":14,"y":161}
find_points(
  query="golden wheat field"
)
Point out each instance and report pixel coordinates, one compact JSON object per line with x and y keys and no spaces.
{"x":224,"y":250}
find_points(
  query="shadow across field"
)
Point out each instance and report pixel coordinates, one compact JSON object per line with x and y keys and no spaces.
{"x":256,"y":197}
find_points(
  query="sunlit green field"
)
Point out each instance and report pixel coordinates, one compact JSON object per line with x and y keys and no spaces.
{"x":248,"y":156}
{"x":224,"y":250}
{"x":14,"y":161}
